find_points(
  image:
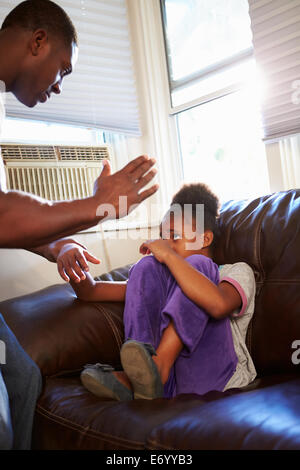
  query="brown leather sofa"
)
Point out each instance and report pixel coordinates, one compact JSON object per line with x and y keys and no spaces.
{"x":62,"y":333}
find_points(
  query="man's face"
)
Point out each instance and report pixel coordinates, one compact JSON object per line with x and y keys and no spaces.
{"x":43,"y":72}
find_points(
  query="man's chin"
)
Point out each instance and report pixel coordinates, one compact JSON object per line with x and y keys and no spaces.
{"x":31,"y":105}
{"x":29,"y":102}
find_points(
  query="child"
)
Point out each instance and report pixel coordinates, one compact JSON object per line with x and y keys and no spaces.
{"x":177,"y":308}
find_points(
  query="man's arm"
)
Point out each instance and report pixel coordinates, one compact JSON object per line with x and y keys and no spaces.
{"x":28,"y":221}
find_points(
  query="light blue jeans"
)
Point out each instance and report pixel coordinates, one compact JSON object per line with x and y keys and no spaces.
{"x":20,"y":387}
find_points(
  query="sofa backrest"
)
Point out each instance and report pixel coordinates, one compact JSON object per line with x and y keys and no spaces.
{"x":265,"y":233}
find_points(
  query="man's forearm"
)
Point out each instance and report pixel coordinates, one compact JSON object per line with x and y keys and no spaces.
{"x":44,"y":251}
{"x":27,"y":221}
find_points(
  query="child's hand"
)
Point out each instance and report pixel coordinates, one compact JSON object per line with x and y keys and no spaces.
{"x":72,"y":262}
{"x":159,"y":248}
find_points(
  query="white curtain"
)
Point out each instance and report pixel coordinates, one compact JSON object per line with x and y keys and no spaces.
{"x":290,"y":161}
{"x":101,"y":92}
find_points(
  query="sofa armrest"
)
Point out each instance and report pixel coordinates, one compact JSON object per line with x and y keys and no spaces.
{"x":62,"y":333}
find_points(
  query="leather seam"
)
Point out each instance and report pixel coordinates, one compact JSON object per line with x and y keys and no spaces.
{"x":160,"y":446}
{"x":112,"y":326}
{"x":257,"y":237}
{"x":257,"y":258}
{"x":78,"y":428}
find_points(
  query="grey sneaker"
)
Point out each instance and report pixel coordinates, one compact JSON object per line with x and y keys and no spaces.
{"x":100,"y":381}
{"x":137,"y":362}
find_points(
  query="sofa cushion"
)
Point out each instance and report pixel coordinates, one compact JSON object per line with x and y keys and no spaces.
{"x":62,"y":333}
{"x":70,"y":417}
{"x":263,"y":419}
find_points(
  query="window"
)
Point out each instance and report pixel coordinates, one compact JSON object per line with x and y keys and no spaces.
{"x":220,"y":145}
{"x":40,"y":132}
{"x":214,"y":90}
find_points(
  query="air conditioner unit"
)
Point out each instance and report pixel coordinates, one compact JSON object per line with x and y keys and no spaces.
{"x":55,"y":173}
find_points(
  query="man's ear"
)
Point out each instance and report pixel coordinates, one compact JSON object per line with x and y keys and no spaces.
{"x":38,"y":41}
{"x":208,"y":238}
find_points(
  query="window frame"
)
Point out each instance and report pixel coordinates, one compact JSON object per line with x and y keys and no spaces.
{"x":217,"y":67}
{"x":218,"y":93}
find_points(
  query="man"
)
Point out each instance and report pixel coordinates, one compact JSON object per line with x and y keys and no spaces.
{"x":38,"y":48}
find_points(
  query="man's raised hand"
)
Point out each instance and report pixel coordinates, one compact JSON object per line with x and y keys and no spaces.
{"x":119,"y":193}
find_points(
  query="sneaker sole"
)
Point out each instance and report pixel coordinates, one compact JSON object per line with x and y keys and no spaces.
{"x":141,"y":371}
{"x":93,"y":385}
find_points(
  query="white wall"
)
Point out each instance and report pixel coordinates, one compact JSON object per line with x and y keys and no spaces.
{"x":23,"y":272}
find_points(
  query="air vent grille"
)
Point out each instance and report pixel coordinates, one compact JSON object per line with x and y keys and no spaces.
{"x":55,"y":173}
{"x":28,"y":152}
{"x":57,"y":153}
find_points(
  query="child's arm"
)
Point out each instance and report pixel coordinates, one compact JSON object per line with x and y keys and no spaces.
{"x":218,"y":301}
{"x":105,"y":291}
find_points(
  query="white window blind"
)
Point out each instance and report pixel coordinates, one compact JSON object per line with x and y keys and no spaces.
{"x":101,"y":92}
{"x":276,"y":38}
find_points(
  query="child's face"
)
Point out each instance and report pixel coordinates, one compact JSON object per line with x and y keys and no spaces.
{"x":181,"y":234}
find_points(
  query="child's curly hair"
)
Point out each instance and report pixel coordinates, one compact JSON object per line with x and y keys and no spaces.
{"x":200,"y":193}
